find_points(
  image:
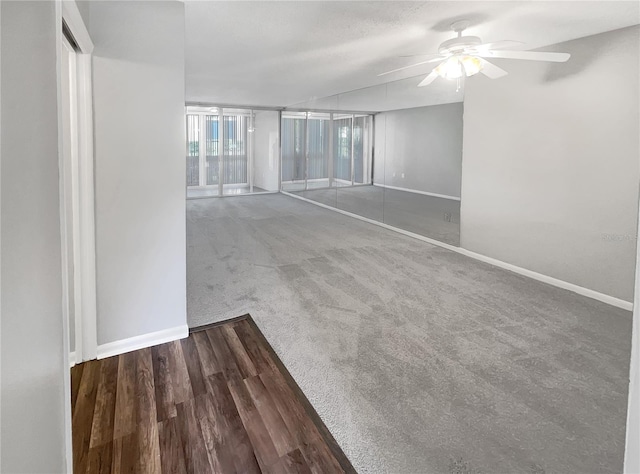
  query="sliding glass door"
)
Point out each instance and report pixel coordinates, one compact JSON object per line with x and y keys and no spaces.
{"x":211,"y":150}
{"x":236,"y":157}
{"x":193,"y":150}
{"x":220,"y":151}
{"x":202,"y":153}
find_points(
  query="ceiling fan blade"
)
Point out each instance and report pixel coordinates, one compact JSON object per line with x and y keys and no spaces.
{"x":429,"y":79}
{"x":434,"y":56}
{"x":439,"y":58}
{"x":528,"y":55}
{"x":491,"y":70}
{"x":499,"y":45}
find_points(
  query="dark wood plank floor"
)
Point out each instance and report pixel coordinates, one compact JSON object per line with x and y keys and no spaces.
{"x":217,"y":401}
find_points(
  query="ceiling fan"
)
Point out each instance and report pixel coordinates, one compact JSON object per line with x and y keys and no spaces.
{"x":464,"y":56}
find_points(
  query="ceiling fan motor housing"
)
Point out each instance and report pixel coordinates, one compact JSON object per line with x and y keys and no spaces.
{"x":459,"y":45}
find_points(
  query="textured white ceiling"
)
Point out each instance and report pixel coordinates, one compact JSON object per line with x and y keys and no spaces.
{"x":297,"y":52}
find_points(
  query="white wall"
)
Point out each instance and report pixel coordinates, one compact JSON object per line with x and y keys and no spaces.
{"x":140,"y":168}
{"x":266,"y":157}
{"x":84,"y":7}
{"x":632,"y":445}
{"x":425,"y":144}
{"x":33,"y":370}
{"x":550,"y":164}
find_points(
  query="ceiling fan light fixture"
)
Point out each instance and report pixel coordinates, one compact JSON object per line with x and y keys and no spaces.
{"x":457,"y":66}
{"x":472,"y":65}
{"x":450,"y":69}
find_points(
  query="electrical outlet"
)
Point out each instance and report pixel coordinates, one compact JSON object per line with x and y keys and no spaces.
{"x":447,"y":217}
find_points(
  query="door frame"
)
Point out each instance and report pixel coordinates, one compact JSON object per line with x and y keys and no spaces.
{"x":84,"y":198}
{"x":77,"y":194}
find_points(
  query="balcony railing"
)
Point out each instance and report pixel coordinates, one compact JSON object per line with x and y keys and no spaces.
{"x":193,"y":171}
{"x":235,"y":170}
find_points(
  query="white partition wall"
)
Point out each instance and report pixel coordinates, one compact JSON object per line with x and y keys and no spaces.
{"x":265,"y":144}
{"x":138,"y":92}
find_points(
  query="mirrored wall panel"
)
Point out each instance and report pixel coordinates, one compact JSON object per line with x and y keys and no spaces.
{"x":324,"y":151}
{"x":399,"y":162}
{"x":231,"y":151}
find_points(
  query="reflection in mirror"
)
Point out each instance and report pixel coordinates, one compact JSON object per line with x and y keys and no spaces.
{"x":306,"y":156}
{"x":292,"y":145}
{"x":318,"y":150}
{"x":356,"y":192}
{"x":323,"y":151}
{"x":400,"y":163}
{"x":343,"y":149}
{"x":422,"y":156}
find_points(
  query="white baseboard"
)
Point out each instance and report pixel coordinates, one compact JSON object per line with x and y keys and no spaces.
{"x":415,"y":191}
{"x":140,"y":342}
{"x":232,"y":195}
{"x":72,"y":359}
{"x":611,"y":300}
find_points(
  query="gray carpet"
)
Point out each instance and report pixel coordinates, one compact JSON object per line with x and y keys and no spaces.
{"x":430,"y":216}
{"x":418,"y":359}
